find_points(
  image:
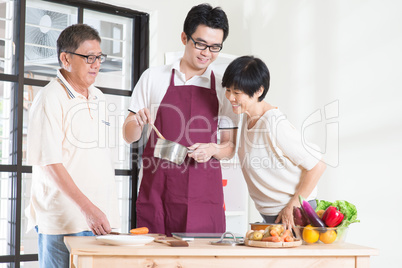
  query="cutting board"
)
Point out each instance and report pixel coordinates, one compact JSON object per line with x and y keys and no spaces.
{"x":264,"y":244}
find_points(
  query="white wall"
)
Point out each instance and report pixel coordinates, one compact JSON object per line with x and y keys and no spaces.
{"x":343,"y":55}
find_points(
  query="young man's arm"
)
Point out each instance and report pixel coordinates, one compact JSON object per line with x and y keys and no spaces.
{"x":224,"y":150}
{"x":134,"y":124}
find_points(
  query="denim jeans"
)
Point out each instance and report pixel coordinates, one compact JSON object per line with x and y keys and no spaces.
{"x":53,"y":253}
{"x":271,"y":219}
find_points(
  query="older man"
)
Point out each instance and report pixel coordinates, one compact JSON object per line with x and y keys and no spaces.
{"x":73,"y":189}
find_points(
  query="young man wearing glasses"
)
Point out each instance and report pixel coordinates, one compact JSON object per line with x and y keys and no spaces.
{"x":187,"y":104}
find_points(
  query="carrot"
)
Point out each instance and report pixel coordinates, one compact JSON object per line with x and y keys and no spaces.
{"x":288,"y":239}
{"x":286,"y":234}
{"x":272,"y":239}
{"x":140,"y":230}
{"x":273,"y":232}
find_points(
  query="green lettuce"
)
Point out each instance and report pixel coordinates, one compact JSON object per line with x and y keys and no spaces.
{"x":322,"y":205}
{"x":347,"y":209}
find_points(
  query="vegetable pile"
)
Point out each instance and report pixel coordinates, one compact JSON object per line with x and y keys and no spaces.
{"x":327,"y":214}
{"x":348,"y":210}
{"x":273,"y":233}
{"x":339,"y":214}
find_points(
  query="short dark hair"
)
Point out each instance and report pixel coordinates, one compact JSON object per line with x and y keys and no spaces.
{"x":73,"y":36}
{"x":247,"y":74}
{"x":204,"y":14}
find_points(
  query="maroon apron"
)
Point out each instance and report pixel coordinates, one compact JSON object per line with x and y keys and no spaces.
{"x":186,"y":197}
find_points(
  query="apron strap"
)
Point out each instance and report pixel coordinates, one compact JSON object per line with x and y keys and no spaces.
{"x":212,"y":80}
{"x":172,"y":78}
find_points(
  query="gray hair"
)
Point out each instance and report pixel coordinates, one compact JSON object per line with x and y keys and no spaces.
{"x":73,"y":36}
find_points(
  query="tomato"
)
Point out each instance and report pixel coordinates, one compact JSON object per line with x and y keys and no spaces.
{"x":310,"y":235}
{"x":328,"y":237}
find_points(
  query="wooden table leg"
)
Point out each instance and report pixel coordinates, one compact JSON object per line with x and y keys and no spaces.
{"x":72,"y":261}
{"x":362,"y":262}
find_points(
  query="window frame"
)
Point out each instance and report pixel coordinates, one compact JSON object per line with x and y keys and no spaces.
{"x":140,"y":62}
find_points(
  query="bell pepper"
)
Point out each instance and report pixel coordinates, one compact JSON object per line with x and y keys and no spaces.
{"x":332,"y":217}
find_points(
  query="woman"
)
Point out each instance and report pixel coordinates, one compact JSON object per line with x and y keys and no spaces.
{"x":275,"y":164}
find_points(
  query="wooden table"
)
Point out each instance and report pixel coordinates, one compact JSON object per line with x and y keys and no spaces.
{"x":88,"y":252}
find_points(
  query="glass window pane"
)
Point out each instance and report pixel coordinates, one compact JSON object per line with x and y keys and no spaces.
{"x":117,"y":112}
{"x":29,"y":95}
{"x":30,"y":264}
{"x":5,"y":213}
{"x":6,"y":89}
{"x":44,"y":23}
{"x":116,"y":33}
{"x":7,"y":37}
{"x":29,"y":240}
{"x":2,"y":35}
{"x":123,"y":193}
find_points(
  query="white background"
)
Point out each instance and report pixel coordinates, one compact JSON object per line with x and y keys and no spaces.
{"x":343,"y":55}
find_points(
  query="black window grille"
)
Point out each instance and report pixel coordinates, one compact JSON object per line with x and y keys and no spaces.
{"x":24,"y":70}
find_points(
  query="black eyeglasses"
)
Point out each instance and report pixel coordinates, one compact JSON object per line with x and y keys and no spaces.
{"x":91,"y":58}
{"x":203,"y":46}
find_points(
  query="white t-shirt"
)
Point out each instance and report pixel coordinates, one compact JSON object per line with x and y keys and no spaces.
{"x":271,"y":156}
{"x":65,"y":127}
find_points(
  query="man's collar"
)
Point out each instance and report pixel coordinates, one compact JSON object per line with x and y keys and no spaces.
{"x":70,"y":90}
{"x":206,"y":74}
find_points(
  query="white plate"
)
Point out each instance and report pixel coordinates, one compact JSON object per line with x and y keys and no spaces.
{"x":125,"y":240}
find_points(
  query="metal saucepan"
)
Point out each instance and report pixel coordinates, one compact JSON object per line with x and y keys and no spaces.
{"x":171,"y":151}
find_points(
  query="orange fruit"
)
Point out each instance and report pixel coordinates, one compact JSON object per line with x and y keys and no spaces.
{"x":310,"y":235}
{"x":320,"y":213}
{"x":328,"y":237}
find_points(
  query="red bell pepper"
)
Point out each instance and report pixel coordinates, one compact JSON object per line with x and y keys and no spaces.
{"x":332,"y":217}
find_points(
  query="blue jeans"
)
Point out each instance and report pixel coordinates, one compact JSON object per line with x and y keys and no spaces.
{"x":52,"y":250}
{"x":271,"y":219}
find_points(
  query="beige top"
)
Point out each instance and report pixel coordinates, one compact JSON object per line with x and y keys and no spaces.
{"x":272,"y":155}
{"x":65,"y":127}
